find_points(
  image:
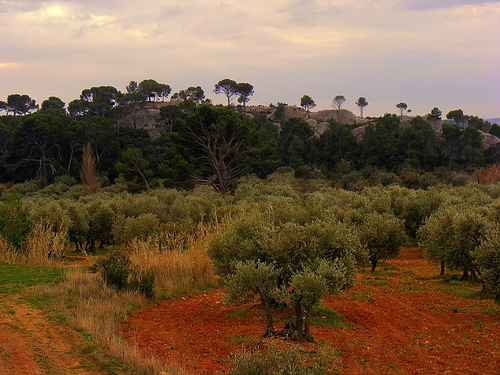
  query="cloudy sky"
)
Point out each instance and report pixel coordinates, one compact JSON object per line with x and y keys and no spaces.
{"x":427,"y":53}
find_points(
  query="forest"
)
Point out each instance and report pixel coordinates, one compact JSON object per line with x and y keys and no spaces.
{"x":189,"y":141}
{"x":253,"y":213}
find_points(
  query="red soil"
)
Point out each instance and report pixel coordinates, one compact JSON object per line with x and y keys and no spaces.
{"x":400,"y":321}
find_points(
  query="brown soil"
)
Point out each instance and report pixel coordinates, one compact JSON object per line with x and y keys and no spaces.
{"x":402,"y":321}
{"x":31,"y":345}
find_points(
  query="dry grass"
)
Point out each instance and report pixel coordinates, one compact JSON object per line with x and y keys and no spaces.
{"x":43,"y":247}
{"x":181,"y":264}
{"x":490,"y":175}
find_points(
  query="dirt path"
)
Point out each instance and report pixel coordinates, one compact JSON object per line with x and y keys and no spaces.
{"x":401,"y":321}
{"x":31,"y":344}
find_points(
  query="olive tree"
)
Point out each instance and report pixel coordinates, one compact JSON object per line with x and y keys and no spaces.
{"x":311,"y":259}
{"x":487,"y":260}
{"x":253,"y":279}
{"x":452,"y":235}
{"x":383,"y":234}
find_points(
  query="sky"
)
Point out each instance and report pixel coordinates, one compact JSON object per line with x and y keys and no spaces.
{"x":426,"y":53}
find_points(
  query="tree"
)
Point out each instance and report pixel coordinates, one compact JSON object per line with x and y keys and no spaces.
{"x":19,"y":104}
{"x":219,"y":141}
{"x":14,"y":222}
{"x":382,"y":234}
{"x":472,"y":146}
{"x":310,"y":259}
{"x":294,"y":142}
{"x":361,"y":103}
{"x":251,"y":279}
{"x":487,"y":260}
{"x":338,"y":143}
{"x":169,"y":114}
{"x":134,"y":102}
{"x":435,"y":114}
{"x":403,"y":107}
{"x":307,"y":103}
{"x":98,"y":101}
{"x":418,"y":143}
{"x":228,"y":87}
{"x":134,"y":167}
{"x":39,"y":138}
{"x":337,"y":104}
{"x":132,"y":87}
{"x":452,"y":235}
{"x":53,"y":103}
{"x":88,"y":173}
{"x":149,"y":88}
{"x":451,"y":138}
{"x":244,"y":90}
{"x":194,"y":94}
{"x":456,"y":115}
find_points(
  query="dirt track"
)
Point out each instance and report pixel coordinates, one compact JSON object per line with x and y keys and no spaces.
{"x":31,"y":345}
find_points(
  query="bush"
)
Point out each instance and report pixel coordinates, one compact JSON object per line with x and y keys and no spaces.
{"x":115,"y":269}
{"x":14,"y":222}
{"x":144,"y":282}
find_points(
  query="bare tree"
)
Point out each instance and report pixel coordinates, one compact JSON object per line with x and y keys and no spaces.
{"x":88,"y":173}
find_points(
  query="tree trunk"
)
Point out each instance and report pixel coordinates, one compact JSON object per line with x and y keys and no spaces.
{"x":269,"y":330}
{"x":298,"y":319}
{"x":465,"y":276}
{"x":307,"y":332}
{"x":373,"y":261}
{"x":442,"y":268}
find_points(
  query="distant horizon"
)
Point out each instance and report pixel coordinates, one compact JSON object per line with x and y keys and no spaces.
{"x":425,"y":53}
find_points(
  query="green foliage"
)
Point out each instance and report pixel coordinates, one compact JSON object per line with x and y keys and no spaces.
{"x":115,"y":269}
{"x":487,"y":260}
{"x":14,"y":222}
{"x":140,"y":227}
{"x":383,"y":234}
{"x":144,"y":282}
{"x":453,"y":234}
{"x":250,"y":280}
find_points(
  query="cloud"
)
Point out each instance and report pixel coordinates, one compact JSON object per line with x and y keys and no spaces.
{"x":422,"y":5}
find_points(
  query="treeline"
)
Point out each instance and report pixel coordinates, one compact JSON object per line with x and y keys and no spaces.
{"x":197,"y":142}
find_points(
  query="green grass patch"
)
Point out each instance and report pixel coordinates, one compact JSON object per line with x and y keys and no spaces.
{"x":324,"y":316}
{"x":241,"y":314}
{"x":15,"y":278}
{"x":241,"y":339}
{"x":377,"y":281}
{"x":471,"y":293}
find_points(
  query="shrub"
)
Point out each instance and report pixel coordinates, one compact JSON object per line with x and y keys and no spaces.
{"x":14,"y":222}
{"x":115,"y":269}
{"x":144,"y":282}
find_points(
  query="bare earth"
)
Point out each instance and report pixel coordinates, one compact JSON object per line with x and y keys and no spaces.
{"x":31,"y":344}
{"x":398,"y":322}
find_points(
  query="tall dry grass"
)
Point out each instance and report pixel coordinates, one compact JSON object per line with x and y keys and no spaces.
{"x":180,"y":263}
{"x":44,"y":246}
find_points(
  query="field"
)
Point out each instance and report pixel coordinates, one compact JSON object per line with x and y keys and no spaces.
{"x":401,"y":319}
